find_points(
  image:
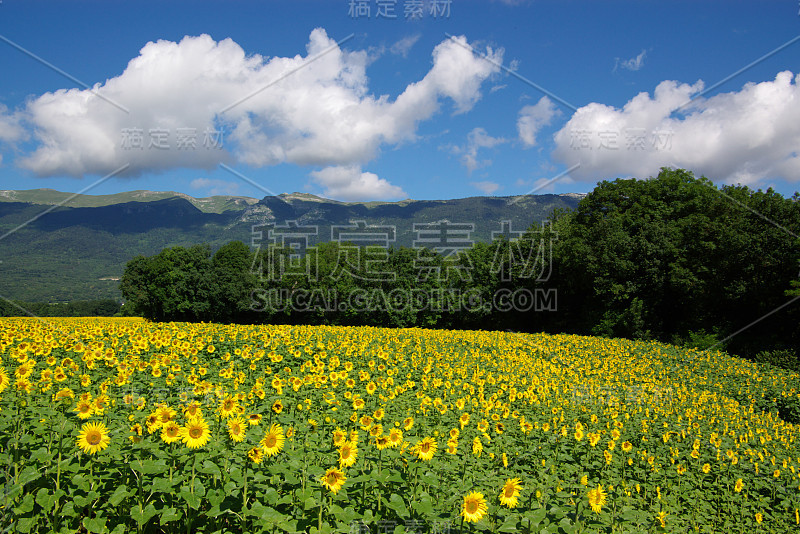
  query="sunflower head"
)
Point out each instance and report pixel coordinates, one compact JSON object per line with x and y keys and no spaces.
{"x":474,"y":507}
{"x":93,"y":437}
{"x":333,"y":479}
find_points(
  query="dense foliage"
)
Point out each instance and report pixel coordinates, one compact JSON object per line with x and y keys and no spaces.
{"x":672,"y":258}
{"x":123,"y":425}
{"x":78,"y":308}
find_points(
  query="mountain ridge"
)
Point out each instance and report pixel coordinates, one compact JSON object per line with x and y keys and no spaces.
{"x":76,"y":250}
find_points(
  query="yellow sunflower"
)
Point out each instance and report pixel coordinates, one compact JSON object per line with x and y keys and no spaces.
{"x":348,"y":453}
{"x":395,"y":437}
{"x":256,"y":454}
{"x":228,"y":407}
{"x":4,"y":380}
{"x":170,"y":432}
{"x":474,"y":507}
{"x":93,"y":437}
{"x":84,"y":409}
{"x":273,"y":440}
{"x":237,"y":428}
{"x":333,"y":479}
{"x":196,"y":433}
{"x":425,"y":448}
{"x":597,"y":498}
{"x":510,"y":492}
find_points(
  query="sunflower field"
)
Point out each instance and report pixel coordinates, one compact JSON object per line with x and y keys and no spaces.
{"x":123,"y":425}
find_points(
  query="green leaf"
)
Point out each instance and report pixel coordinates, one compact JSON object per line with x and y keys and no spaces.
{"x":162,"y":485}
{"x":96,"y":525}
{"x":210,"y":468}
{"x":81,"y":482}
{"x":25,"y":506}
{"x":119,"y":495}
{"x":535,"y":517}
{"x":397,"y":504}
{"x":26,"y":524}
{"x":45,"y":499}
{"x":170,"y":514}
{"x":143,"y":516}
{"x":192,"y":500}
{"x":28,"y":475}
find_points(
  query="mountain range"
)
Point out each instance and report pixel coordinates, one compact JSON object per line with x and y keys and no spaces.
{"x":57,"y":246}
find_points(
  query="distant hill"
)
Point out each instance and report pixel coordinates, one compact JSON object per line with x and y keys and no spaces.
{"x":64,"y":247}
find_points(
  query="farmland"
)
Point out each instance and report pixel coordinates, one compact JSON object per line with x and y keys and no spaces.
{"x":125,"y":425}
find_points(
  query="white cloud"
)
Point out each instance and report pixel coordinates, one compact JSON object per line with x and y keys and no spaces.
{"x":533,"y":118}
{"x":476,"y":140}
{"x":10,"y":129}
{"x":350,"y":183}
{"x":215,"y":187}
{"x":486,"y":186}
{"x":404,"y":45}
{"x":634,"y":63}
{"x":743,"y":136}
{"x":290,"y":110}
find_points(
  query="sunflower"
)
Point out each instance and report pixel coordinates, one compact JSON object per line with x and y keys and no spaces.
{"x":395,"y":437}
{"x":193,"y":410}
{"x":165,"y":414}
{"x":93,"y":437}
{"x":463,"y":420}
{"x":64,"y":394}
{"x":256,"y":454}
{"x":277,"y":406}
{"x":474,"y":507}
{"x":228,"y":407}
{"x":196,"y":433}
{"x":627,"y":446}
{"x":408,"y":422}
{"x":382,"y":442}
{"x":273,"y":440}
{"x":510,"y":492}
{"x":739,"y":485}
{"x":333,"y":479}
{"x":452,"y":446}
{"x":339,"y":437}
{"x":348,"y":453}
{"x":237,"y":428}
{"x":376,"y":430}
{"x":4,"y":380}
{"x":597,"y":498}
{"x":477,"y":447}
{"x":425,"y":448}
{"x":170,"y":432}
{"x":84,"y":409}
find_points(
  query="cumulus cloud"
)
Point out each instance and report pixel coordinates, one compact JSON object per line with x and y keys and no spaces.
{"x":634,"y":63}
{"x":532,"y":118}
{"x":745,"y":136}
{"x":198,"y":102}
{"x":10,"y":129}
{"x":404,"y":45}
{"x":476,"y":140}
{"x":350,"y":183}
{"x":486,"y":186}
{"x":215,"y":187}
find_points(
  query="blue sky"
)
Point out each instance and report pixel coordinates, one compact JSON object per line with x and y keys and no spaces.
{"x":484,"y":97}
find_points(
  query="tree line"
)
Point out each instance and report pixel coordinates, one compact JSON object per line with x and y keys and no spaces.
{"x":77,"y":308}
{"x":673,"y":258}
